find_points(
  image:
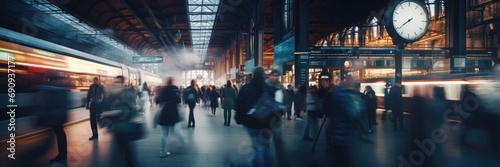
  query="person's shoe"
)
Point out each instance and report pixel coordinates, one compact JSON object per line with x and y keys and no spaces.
{"x":93,"y":137}
{"x":307,"y":139}
{"x":189,"y":126}
{"x":164,"y":155}
{"x":58,"y":158}
{"x":299,"y":119}
{"x":288,"y":118}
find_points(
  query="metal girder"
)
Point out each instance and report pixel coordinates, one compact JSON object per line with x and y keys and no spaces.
{"x":124,"y":18}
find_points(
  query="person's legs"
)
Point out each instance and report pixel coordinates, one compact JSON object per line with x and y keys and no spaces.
{"x":261,"y":139}
{"x":229,"y":111}
{"x":62,"y":146}
{"x":178,"y":131}
{"x":93,"y":123}
{"x":191,"y":115}
{"x":306,"y":130}
{"x":163,"y":141}
{"x":225,"y":116}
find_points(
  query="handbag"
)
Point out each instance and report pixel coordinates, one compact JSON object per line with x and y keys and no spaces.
{"x":265,"y":108}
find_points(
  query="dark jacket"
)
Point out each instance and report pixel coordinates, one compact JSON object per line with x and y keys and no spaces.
{"x":247,"y":97}
{"x":340,"y":122}
{"x":372,"y":100}
{"x":52,"y":101}
{"x":170,"y":98}
{"x":228,"y":98}
{"x":214,"y":96}
{"x":95,"y":96}
{"x":396,"y":99}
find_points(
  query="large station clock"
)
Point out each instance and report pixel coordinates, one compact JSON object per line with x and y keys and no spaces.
{"x":406,"y":21}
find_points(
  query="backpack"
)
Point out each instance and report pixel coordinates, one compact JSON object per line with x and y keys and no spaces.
{"x":190,"y":95}
{"x":352,"y":104}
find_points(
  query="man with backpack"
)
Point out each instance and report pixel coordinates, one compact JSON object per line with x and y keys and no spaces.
{"x":191,"y":97}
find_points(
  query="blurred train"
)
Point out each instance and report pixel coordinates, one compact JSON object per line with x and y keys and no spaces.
{"x":34,"y":58}
{"x":453,"y":85}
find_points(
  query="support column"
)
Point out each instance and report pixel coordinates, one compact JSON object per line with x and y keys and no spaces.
{"x":302,"y":43}
{"x":278,"y":27}
{"x":259,"y":33}
{"x":398,"y":63}
{"x":455,"y":34}
{"x":237,"y":54}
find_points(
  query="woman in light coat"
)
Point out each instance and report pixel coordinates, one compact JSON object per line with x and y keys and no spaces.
{"x":228,"y":98}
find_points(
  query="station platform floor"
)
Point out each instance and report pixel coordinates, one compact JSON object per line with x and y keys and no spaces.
{"x":214,"y":145}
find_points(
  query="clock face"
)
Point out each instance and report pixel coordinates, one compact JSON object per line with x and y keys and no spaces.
{"x":410,"y":20}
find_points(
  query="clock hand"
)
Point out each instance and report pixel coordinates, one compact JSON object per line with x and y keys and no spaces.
{"x":405,"y":23}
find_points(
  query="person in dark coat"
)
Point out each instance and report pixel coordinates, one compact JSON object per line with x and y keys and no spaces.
{"x":289,"y":100}
{"x":299,"y":101}
{"x":95,"y":100}
{"x":387,"y":100}
{"x":191,"y":96}
{"x":228,"y":98}
{"x":214,"y":100}
{"x":261,"y":132}
{"x":55,"y":91}
{"x":168,"y":117}
{"x":397,"y":105}
{"x":372,"y":105}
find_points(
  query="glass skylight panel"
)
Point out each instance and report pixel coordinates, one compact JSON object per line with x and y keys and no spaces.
{"x":56,"y":12}
{"x":202,"y":15}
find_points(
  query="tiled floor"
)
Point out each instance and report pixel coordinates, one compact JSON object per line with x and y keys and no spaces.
{"x":215,"y":145}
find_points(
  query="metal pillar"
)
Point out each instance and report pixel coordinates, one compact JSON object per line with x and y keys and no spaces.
{"x":258,"y":35}
{"x":398,"y":64}
{"x":455,"y":34}
{"x":278,"y":27}
{"x":302,"y":43}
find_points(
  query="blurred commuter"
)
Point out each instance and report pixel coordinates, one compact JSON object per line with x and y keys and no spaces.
{"x":206,"y":96}
{"x":261,"y":132}
{"x":228,"y":99}
{"x":314,"y":106}
{"x":144,"y":93}
{"x":121,"y":110}
{"x":191,"y":97}
{"x":299,"y":101}
{"x":95,"y":100}
{"x":397,"y":106}
{"x":343,"y":106}
{"x":235,"y":88}
{"x":214,"y":100}
{"x":387,"y":100}
{"x":288,"y":101}
{"x":372,"y":105}
{"x":52,"y":100}
{"x":439,"y":107}
{"x":169,"y":98}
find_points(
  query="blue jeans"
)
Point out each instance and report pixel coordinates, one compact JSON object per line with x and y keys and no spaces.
{"x":261,"y":144}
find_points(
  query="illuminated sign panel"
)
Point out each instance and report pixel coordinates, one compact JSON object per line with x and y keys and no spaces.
{"x":147,"y":59}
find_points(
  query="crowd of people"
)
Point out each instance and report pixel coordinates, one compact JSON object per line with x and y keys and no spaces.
{"x":260,"y":106}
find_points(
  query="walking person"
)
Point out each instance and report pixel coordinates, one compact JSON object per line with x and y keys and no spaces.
{"x":299,"y":101}
{"x":261,"y":132}
{"x":95,"y":99}
{"x":228,"y":98}
{"x":169,"y":97}
{"x":121,"y":103}
{"x":314,"y":108}
{"x":371,"y":105}
{"x":52,"y":99}
{"x":214,"y":100}
{"x":191,"y":97}
{"x":144,"y":93}
{"x":387,"y":100}
{"x":288,"y":101}
{"x":397,"y":106}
